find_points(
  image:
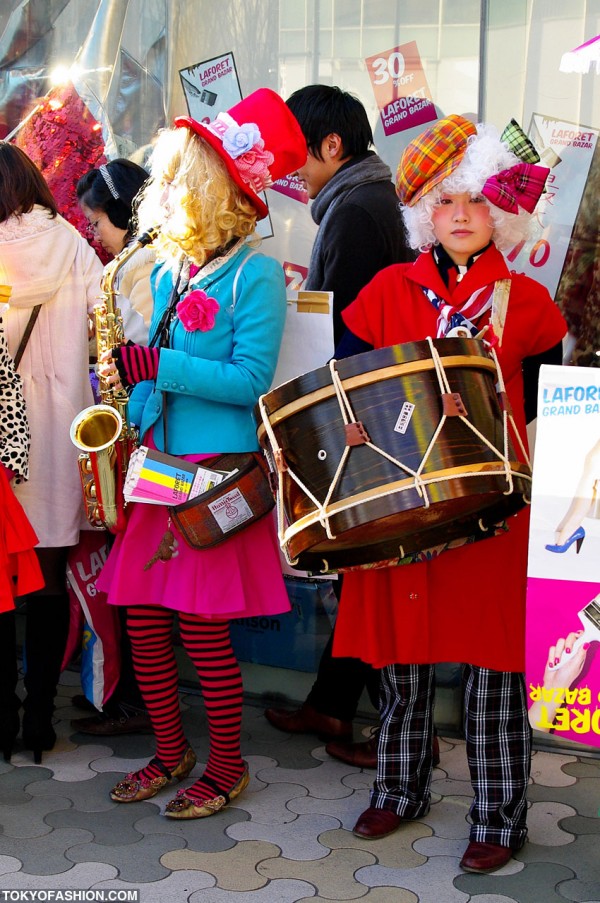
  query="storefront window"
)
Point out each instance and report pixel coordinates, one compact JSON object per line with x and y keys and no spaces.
{"x":293,"y":14}
{"x":347,"y":14}
{"x":460,"y":13}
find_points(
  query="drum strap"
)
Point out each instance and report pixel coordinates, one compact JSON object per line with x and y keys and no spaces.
{"x":500,"y":307}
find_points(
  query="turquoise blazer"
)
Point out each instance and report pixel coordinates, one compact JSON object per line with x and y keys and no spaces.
{"x":211,"y":381}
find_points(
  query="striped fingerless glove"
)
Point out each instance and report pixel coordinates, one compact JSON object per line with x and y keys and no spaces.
{"x":136,"y":363}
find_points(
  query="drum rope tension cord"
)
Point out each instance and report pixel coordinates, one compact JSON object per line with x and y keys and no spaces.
{"x":357,"y":435}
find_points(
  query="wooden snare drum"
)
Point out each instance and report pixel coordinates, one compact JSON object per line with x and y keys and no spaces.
{"x":392,"y":452}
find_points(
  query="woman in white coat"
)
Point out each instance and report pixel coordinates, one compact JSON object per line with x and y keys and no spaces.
{"x":55,"y":280}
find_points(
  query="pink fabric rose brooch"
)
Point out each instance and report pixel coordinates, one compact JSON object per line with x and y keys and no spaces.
{"x":246,"y":147}
{"x":197,"y":311}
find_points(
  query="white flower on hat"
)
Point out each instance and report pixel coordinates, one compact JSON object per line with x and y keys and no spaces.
{"x":240,"y":138}
{"x":244,"y":144}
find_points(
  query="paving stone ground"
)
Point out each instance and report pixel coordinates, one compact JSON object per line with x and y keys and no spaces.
{"x":288,"y":838}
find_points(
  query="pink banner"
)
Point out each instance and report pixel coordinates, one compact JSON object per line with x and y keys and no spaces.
{"x":563,"y":587}
{"x":295,"y":275}
{"x":292,"y":188}
{"x":563,"y":694}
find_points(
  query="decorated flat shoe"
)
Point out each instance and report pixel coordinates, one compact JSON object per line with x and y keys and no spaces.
{"x":134,"y":787}
{"x":184,"y":807}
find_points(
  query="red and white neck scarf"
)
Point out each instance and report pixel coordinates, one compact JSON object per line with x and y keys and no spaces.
{"x":461,"y":320}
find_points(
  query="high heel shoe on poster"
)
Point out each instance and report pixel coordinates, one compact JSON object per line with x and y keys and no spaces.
{"x":577,"y":537}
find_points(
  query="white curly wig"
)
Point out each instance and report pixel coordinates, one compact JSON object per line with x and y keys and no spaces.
{"x":485,"y":156}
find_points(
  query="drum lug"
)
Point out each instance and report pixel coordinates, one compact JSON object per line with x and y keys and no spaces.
{"x":280,"y":461}
{"x":505,"y":404}
{"x":356,"y":434}
{"x":453,"y":405}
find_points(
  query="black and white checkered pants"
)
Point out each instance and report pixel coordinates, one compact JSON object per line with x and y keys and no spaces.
{"x":498,"y":740}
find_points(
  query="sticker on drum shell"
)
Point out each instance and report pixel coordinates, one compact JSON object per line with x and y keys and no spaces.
{"x":403,"y":421}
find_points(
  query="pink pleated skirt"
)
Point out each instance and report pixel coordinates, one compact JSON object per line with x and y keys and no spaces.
{"x":239,"y":578}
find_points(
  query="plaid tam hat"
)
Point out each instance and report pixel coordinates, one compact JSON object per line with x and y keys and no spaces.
{"x":432,"y":157}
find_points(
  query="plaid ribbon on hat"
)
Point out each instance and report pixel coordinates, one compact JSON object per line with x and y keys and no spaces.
{"x":520,"y":186}
{"x":519,"y":143}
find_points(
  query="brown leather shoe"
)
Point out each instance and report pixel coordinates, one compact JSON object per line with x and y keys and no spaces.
{"x":481,"y":857}
{"x":306,"y":720}
{"x":105,"y":726}
{"x":364,"y":753}
{"x":361,"y":755}
{"x":375,"y":823}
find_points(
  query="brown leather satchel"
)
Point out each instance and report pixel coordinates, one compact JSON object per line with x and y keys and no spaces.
{"x":231,"y":506}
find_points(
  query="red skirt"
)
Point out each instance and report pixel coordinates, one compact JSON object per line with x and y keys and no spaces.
{"x":467,"y":605}
{"x":19,"y":568}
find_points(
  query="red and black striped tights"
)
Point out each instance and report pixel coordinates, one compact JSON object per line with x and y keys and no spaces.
{"x":208,"y":645}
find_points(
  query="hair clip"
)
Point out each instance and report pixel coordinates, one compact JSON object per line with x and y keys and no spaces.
{"x":109,"y":182}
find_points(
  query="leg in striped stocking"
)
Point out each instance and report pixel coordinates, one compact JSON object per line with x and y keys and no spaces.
{"x":208,"y":644}
{"x":150,"y":632}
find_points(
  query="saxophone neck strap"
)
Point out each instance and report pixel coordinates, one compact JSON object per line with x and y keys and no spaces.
{"x":160,"y":339}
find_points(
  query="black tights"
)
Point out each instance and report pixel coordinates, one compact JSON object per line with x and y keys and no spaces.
{"x":46,"y":630}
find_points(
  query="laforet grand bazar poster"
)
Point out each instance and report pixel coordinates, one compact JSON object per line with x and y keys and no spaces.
{"x":400,"y":88}
{"x":563,"y":587}
{"x":567,"y":149}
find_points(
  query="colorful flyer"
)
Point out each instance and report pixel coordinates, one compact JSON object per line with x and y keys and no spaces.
{"x":400,"y":88}
{"x":563,"y":587}
{"x":567,"y":149}
{"x":156,"y":478}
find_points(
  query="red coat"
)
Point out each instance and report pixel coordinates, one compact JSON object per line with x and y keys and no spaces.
{"x":467,"y":605}
{"x":19,"y":567}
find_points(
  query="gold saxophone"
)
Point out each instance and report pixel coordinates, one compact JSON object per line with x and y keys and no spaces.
{"x":102,"y":432}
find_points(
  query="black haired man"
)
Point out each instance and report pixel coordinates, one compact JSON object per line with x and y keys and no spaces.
{"x":360,"y":232}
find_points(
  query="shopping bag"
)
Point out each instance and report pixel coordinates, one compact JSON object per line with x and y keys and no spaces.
{"x":98,"y":626}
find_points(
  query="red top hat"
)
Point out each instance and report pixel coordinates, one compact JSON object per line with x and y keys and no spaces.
{"x":258,"y":139}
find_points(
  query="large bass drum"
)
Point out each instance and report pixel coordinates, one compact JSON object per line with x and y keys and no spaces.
{"x":391,"y":453}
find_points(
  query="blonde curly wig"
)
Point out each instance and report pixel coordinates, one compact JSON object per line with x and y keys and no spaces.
{"x":205,"y":210}
{"x":486,"y":155}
